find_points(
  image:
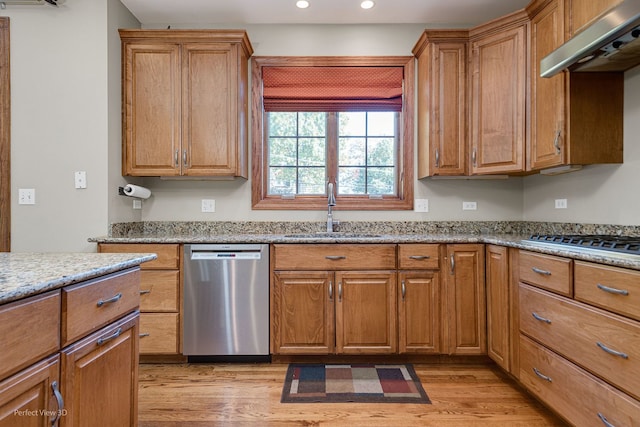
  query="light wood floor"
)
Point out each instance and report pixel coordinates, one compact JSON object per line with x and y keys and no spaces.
{"x":200,"y":395}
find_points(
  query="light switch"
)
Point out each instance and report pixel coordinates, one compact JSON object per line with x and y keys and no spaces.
{"x":421,"y":205}
{"x":26,"y":196}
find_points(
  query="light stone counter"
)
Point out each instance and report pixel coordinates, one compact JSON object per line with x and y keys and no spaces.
{"x":27,"y":274}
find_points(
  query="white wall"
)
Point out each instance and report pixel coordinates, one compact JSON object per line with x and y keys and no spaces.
{"x":600,"y":193}
{"x":499,"y":200}
{"x":60,"y":87}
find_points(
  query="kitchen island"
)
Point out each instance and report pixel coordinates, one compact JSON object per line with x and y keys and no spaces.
{"x":69,"y":328}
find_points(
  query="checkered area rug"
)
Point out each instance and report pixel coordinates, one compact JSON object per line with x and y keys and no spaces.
{"x":353,"y":383}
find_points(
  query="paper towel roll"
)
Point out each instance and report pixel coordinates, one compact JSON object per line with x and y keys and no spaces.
{"x":137,"y":191}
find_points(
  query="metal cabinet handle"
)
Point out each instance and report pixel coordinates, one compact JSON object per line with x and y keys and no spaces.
{"x":474,"y":156}
{"x":339,"y":291}
{"x":404,"y":290}
{"x":437,"y":157}
{"x":175,"y":158}
{"x":611,"y":351}
{"x":144,"y":334}
{"x":113,"y":299}
{"x":453,"y":263}
{"x":556,"y":141}
{"x":335,"y":257}
{"x":613,"y":290}
{"x":544,"y":377}
{"x":540,"y":271}
{"x":115,"y":335}
{"x":604,"y":420}
{"x":419,"y":257}
{"x":145,"y":292}
{"x":330,"y":290}
{"x":60,"y":402}
{"x":540,"y":318}
{"x":184,"y":158}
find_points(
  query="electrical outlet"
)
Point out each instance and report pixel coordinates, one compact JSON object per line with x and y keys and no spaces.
{"x":80,"y":179}
{"x":137,"y":204}
{"x":561,"y":203}
{"x":208,"y":205}
{"x":421,"y":205}
{"x":26,"y":196}
{"x":469,"y":206}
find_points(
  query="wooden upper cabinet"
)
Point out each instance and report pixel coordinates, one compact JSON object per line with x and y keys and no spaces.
{"x":498,"y":91}
{"x":185,"y":102}
{"x":576,"y":118}
{"x":442,"y":102}
{"x":584,"y":12}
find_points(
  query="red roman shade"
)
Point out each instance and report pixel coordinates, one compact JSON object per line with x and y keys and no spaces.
{"x":332,"y":88}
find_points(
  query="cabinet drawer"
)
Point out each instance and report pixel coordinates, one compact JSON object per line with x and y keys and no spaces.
{"x":418,"y":256}
{"x":159,"y":290}
{"x":29,"y":330}
{"x":168,"y":254}
{"x":547,"y":271}
{"x":615,"y":289}
{"x":335,"y":257}
{"x":586,"y":335}
{"x":580,"y":397}
{"x":159,"y":333}
{"x":92,"y":304}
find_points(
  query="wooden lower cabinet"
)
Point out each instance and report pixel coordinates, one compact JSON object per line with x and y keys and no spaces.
{"x":419,"y":312}
{"x":498,"y":305}
{"x":27,"y":398}
{"x":317,"y":312}
{"x":99,"y":377}
{"x":464,"y":288}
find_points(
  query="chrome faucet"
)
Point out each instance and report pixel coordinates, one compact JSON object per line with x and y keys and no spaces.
{"x":331,"y":202}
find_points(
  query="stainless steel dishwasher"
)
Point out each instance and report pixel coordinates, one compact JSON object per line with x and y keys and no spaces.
{"x":226,"y":300}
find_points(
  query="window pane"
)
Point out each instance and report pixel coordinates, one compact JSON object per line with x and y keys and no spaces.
{"x":380,"y":181}
{"x":352,"y":152}
{"x":282,"y":124}
{"x":312,"y":124}
{"x":353,"y":124}
{"x":381,"y":152}
{"x":282,"y":151}
{"x":282,"y":180}
{"x":351,"y":180}
{"x":311,"y":180}
{"x":312,"y":152}
{"x":381,"y":124}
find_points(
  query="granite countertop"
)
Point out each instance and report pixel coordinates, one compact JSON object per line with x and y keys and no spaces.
{"x":27,"y":274}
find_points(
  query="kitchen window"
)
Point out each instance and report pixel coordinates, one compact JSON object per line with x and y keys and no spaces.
{"x":346,"y":121}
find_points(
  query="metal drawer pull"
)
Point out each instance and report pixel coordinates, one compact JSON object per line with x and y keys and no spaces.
{"x":544,"y":377}
{"x":540,"y":318}
{"x":115,"y":335}
{"x":437,"y":158}
{"x":613,"y":290}
{"x":335,"y":257}
{"x":453,"y":264}
{"x":339,"y":291}
{"x":539,"y":271}
{"x":419,"y":257}
{"x":114,"y":298}
{"x":144,"y":334}
{"x":611,"y":351}
{"x":604,"y":420}
{"x":145,"y":292}
{"x":556,"y":141}
{"x":404,"y":290}
{"x":60,"y":400}
{"x":330,"y":290}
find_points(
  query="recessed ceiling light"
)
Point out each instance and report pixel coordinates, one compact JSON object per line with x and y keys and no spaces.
{"x":302,"y":4}
{"x":367,"y":4}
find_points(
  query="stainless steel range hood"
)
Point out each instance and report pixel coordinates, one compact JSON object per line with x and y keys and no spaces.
{"x":611,"y":43}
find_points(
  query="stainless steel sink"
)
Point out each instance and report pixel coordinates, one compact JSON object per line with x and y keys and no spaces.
{"x":333,"y":235}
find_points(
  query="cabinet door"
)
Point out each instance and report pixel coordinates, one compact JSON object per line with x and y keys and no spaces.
{"x":99,"y":377}
{"x":465,"y":296}
{"x":302,"y":320}
{"x":210,"y":102}
{"x":498,"y":102}
{"x":548,"y":128}
{"x":151,"y":104}
{"x":442,"y":104}
{"x":419,"y":312}
{"x":366,"y":312}
{"x":498,"y":304}
{"x":583,"y":12}
{"x":27,"y":398}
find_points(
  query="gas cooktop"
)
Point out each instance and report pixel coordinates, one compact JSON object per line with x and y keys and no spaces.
{"x":594,"y":243}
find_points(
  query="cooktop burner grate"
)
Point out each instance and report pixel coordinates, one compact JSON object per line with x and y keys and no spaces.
{"x":622,"y":244}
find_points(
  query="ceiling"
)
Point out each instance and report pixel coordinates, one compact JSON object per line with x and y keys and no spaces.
{"x":454,"y":13}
